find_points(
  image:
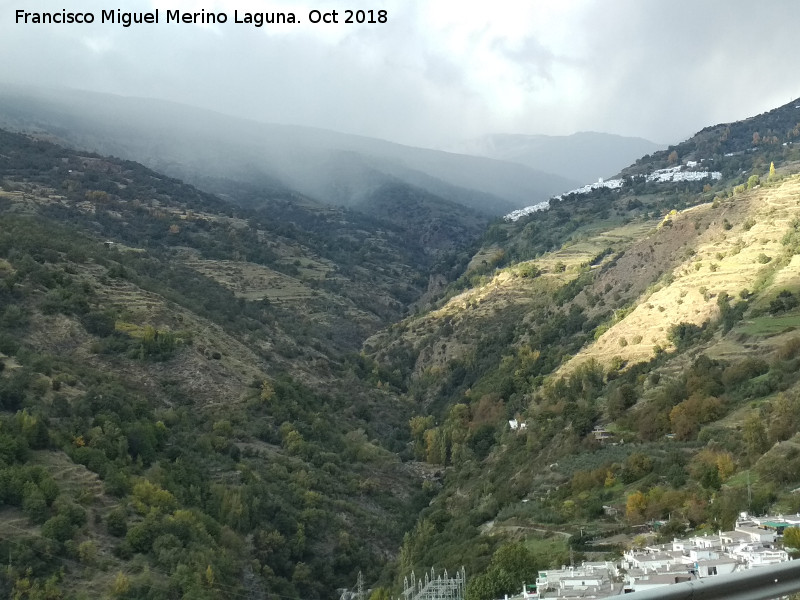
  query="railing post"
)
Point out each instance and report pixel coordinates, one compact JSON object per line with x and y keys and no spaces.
{"x":760,"y":583}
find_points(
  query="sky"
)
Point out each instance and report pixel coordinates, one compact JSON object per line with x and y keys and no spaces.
{"x":438,"y":71}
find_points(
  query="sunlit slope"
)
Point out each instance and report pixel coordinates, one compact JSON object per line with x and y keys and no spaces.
{"x":513,"y":303}
{"x":737,"y":249}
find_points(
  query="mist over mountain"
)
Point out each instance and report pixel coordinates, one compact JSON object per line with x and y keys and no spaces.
{"x":205,"y":148}
{"x":585,"y":156}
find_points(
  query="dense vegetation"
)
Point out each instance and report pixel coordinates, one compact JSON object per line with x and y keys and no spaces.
{"x":123,"y":471}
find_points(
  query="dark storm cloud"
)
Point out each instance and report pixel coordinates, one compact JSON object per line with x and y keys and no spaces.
{"x":439,"y":71}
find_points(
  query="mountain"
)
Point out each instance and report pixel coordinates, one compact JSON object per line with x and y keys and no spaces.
{"x":256,"y":393}
{"x":211,"y":150}
{"x":584,"y":156}
{"x":741,"y":145}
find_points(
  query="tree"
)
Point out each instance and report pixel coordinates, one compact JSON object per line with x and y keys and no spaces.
{"x":772,"y":170}
{"x":483,"y":587}
{"x":687,"y":416}
{"x":58,"y":528}
{"x":294,"y":443}
{"x":635,"y":506}
{"x":636,"y":466}
{"x":33,"y":503}
{"x":419,"y":425}
{"x":725,"y":465}
{"x":784,"y":422}
{"x":674,"y":528}
{"x":791,"y":538}
{"x":436,"y":446}
{"x":511,"y":566}
{"x":87,"y":552}
{"x":673,"y":157}
{"x":683,"y":334}
{"x":380,"y":593}
{"x":620,"y":399}
{"x":755,"y":437}
{"x":267,"y":391}
{"x":117,"y":522}
{"x":783,"y":302}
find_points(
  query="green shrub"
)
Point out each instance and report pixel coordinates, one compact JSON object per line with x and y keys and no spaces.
{"x":117,"y":522}
{"x":34,"y":504}
{"x":738,"y":373}
{"x":684,"y":335}
{"x":58,"y":528}
{"x":783,"y":302}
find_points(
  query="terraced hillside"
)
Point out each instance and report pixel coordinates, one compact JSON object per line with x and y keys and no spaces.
{"x":735,"y":248}
{"x":182,"y":412}
{"x":637,"y":370}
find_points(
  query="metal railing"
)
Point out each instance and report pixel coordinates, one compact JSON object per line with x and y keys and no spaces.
{"x":759,"y":583}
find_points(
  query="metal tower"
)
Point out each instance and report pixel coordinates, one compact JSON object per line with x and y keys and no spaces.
{"x":435,"y":587}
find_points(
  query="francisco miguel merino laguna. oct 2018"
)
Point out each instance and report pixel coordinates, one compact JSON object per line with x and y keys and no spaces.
{"x":203,"y":17}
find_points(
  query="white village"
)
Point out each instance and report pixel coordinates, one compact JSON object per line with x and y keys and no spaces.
{"x":753,"y":543}
{"x":691,"y":171}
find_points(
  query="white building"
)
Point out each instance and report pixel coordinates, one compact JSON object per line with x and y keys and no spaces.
{"x":750,"y":545}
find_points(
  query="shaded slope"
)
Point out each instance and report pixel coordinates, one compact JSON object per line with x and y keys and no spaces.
{"x":157,"y":411}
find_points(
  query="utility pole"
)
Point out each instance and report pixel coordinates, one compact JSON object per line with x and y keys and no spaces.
{"x":360,"y":587}
{"x":749,"y":494}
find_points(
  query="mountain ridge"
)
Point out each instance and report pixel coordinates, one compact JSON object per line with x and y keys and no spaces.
{"x":301,"y":158}
{"x":585,"y":155}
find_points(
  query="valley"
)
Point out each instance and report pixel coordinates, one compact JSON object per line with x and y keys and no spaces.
{"x":241,"y":390}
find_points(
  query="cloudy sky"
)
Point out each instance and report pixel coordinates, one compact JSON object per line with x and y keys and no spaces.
{"x":438,"y":71}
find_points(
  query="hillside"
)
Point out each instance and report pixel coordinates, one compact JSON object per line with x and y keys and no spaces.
{"x":215,"y":151}
{"x":628,"y":356}
{"x":182,"y":408}
{"x":732,"y":147}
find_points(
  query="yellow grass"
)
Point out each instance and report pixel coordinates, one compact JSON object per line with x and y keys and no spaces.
{"x":725,"y":261}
